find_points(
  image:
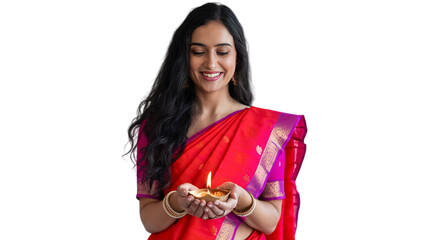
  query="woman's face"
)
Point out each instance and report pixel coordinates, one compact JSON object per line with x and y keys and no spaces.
{"x":212,"y":58}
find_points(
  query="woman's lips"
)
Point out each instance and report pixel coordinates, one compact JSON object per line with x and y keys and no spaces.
{"x":211,"y":76}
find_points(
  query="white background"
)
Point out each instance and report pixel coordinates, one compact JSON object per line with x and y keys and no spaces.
{"x":73,"y":73}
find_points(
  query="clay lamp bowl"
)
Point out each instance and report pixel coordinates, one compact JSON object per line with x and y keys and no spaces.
{"x":210,"y":195}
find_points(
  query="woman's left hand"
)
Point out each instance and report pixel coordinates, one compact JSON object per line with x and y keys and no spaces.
{"x":217,"y":208}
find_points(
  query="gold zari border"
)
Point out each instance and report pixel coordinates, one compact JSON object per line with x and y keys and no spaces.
{"x":273,"y":190}
{"x":227,"y":229}
{"x":279,"y":135}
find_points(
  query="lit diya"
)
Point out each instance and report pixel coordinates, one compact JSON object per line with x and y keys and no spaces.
{"x":210,"y":195}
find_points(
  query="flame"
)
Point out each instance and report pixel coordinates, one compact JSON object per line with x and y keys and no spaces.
{"x":209,"y":180}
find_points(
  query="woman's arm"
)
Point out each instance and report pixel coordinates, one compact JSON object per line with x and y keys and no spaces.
{"x":180,"y":201}
{"x":152,"y":207}
{"x":266,"y":215}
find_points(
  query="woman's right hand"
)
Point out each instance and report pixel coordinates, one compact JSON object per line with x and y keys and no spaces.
{"x":187,"y":202}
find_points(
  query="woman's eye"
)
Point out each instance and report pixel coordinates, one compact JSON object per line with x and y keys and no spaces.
{"x":197,"y":53}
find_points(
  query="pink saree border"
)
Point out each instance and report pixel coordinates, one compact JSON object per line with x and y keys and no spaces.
{"x":278,"y":139}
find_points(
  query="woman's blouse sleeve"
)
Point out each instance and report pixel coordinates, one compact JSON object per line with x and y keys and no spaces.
{"x":287,"y":166}
{"x":143,"y":187}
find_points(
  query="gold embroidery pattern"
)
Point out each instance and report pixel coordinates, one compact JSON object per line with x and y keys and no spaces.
{"x":249,"y":133}
{"x":273,"y":190}
{"x":200,"y":145}
{"x":277,"y":138}
{"x":213,"y":230}
{"x":200,"y":167}
{"x":239,"y":159}
{"x":226,"y":139}
{"x":144,"y":188}
{"x":259,"y":150}
{"x":246,"y":178}
{"x":227,"y":229}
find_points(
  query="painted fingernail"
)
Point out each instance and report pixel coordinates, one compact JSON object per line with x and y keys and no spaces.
{"x":205,"y":217}
{"x":206,"y":209}
{"x":216,"y":203}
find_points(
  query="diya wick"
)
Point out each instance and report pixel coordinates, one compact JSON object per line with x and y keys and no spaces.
{"x":210,"y":195}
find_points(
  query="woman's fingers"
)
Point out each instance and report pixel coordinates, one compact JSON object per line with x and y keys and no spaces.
{"x":184,"y":202}
{"x":208,"y":213}
{"x":184,"y":189}
{"x":193,"y":207}
{"x":235,"y":191}
{"x":184,"y":198}
{"x":232,"y":187}
{"x":228,"y":206}
{"x":200,"y":210}
{"x":226,"y":186}
{"x":182,"y":192}
{"x":196,"y":208}
{"x":217,"y":211}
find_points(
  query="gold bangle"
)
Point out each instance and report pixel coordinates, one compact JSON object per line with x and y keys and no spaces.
{"x":168,"y":209}
{"x":249,"y":211}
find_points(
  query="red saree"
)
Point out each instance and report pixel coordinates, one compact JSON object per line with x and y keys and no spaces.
{"x":242,"y":148}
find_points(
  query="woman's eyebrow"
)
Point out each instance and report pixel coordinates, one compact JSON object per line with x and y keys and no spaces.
{"x":217,"y":45}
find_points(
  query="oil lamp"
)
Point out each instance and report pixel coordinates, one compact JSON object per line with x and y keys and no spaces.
{"x":209,"y":194}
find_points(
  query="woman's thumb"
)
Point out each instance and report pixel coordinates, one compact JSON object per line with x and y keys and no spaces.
{"x":182,"y":192}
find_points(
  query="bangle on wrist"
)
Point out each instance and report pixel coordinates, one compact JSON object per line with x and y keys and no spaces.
{"x":249,"y":211}
{"x":168,"y":209}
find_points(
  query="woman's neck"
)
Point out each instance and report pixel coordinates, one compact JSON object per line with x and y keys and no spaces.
{"x":214,"y":104}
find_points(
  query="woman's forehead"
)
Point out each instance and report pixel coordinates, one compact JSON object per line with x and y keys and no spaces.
{"x":212,"y":33}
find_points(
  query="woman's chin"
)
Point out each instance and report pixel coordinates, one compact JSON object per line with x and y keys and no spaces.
{"x":212,"y":88}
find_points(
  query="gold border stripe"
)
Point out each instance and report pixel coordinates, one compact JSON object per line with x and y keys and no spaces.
{"x":227,"y":230}
{"x":279,"y":136}
{"x":273,"y":190}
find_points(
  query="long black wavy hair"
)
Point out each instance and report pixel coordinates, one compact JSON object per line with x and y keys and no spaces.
{"x":167,"y":111}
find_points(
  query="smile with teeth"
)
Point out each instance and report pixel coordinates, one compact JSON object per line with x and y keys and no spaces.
{"x":211,"y":75}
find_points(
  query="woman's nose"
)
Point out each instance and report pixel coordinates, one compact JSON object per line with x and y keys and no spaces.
{"x":212,"y":61}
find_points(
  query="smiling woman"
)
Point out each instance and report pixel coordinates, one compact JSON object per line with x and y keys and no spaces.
{"x":198,"y":119}
{"x":212,"y":58}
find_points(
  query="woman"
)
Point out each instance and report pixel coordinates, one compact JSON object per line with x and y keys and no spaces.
{"x":198,"y":118}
